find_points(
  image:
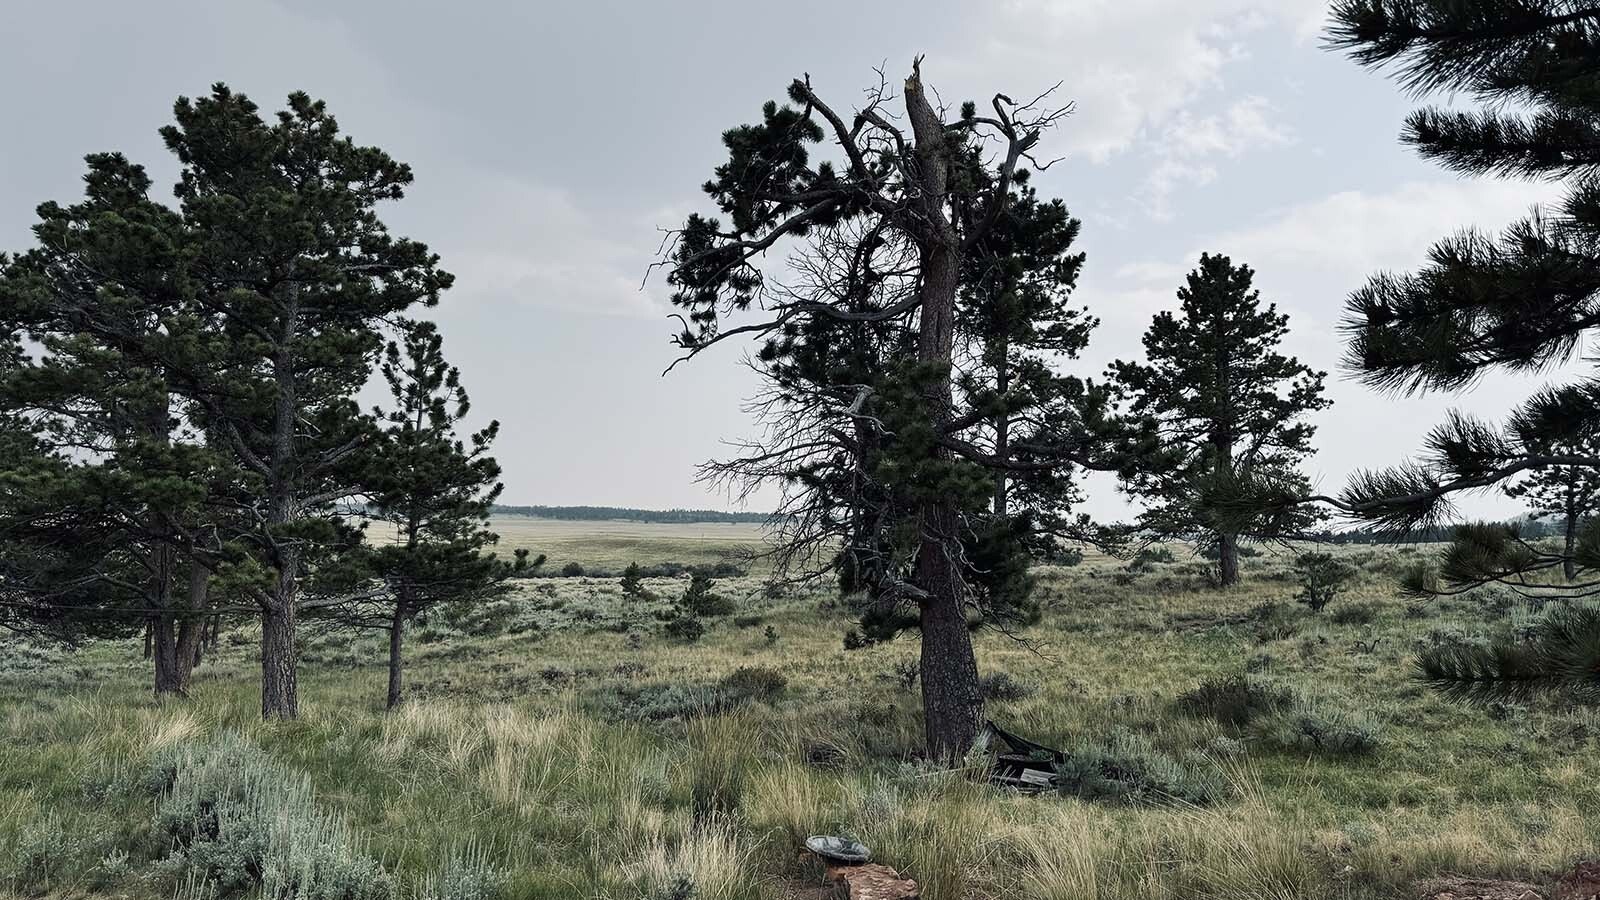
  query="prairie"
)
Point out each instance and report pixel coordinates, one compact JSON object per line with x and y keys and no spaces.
{"x":558,"y":744}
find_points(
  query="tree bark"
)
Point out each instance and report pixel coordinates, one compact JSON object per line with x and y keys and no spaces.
{"x":952,"y":707}
{"x":279,"y":682}
{"x":1569,"y":566}
{"x":1002,"y":433}
{"x":169,"y":667}
{"x":1228,"y":559}
{"x":397,"y":630}
{"x":279,"y":687}
{"x":192,"y":629}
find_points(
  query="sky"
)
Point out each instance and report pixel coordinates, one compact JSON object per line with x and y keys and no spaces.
{"x":552,"y":143}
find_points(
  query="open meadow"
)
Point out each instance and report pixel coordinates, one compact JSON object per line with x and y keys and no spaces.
{"x":557,"y":744}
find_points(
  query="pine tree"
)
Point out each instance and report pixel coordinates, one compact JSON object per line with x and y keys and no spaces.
{"x":1569,"y":494}
{"x":1230,"y":407}
{"x":632,"y":583}
{"x":248,"y":316}
{"x":95,"y":293}
{"x":1518,"y":301}
{"x":890,"y":224}
{"x":434,"y":490}
{"x":293,"y":274}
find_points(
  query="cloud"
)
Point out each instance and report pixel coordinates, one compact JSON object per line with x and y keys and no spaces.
{"x":1189,"y":147}
{"x":1132,"y":64}
{"x":518,"y":241}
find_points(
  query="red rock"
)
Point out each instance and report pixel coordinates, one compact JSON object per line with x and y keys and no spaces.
{"x":1582,"y":883}
{"x":873,"y":882}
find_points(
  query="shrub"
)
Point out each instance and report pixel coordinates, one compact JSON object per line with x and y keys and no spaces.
{"x":660,"y":702}
{"x":1322,"y":577}
{"x":1126,"y":768}
{"x":699,"y":600}
{"x":1147,"y":559}
{"x":1355,"y":614}
{"x":1309,"y":729}
{"x":1002,"y":687}
{"x":467,"y":875}
{"x":685,"y":628}
{"x":44,"y":852}
{"x":1236,"y":700}
{"x":1273,"y":622}
{"x":240,"y":821}
{"x":572,"y":570}
{"x":747,"y":621}
{"x":632,"y":583}
{"x":754,"y":683}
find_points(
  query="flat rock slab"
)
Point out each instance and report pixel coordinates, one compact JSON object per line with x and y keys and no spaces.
{"x":1582,"y":883}
{"x":1458,"y":888}
{"x":873,"y":882}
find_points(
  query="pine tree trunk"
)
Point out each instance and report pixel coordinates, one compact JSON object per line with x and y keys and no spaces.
{"x":951,"y":705}
{"x":397,"y":630}
{"x":279,"y":690}
{"x":169,"y":667}
{"x":1002,"y":436}
{"x":1569,"y":566}
{"x":952,"y":709}
{"x":279,"y":681}
{"x":193,"y":627}
{"x":1228,"y":560}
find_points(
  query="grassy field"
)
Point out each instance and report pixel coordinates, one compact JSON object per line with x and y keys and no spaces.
{"x":559,"y":745}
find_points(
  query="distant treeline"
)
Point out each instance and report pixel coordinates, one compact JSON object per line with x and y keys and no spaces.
{"x":1527,"y":527}
{"x":654,"y":516}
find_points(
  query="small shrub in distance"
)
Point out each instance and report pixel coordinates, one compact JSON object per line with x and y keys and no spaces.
{"x":685,"y":628}
{"x":1310,"y":729}
{"x":700,"y":600}
{"x":1273,"y":622}
{"x":633,"y":583}
{"x":1354,"y":614}
{"x":572,"y":570}
{"x":1236,"y":700}
{"x":1322,"y":577}
{"x":1001,"y":687}
{"x":754,"y":683}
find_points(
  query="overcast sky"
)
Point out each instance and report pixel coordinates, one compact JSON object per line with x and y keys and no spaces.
{"x":551,"y":141}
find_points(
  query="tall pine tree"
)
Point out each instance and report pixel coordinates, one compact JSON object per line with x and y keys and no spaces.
{"x":433,"y":490}
{"x":903,"y":189}
{"x":95,"y":294}
{"x":1517,"y":301}
{"x":1229,"y":406}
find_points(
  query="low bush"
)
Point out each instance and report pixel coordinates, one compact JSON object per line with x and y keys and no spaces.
{"x":1307,"y":728}
{"x":1235,"y":700}
{"x":754,"y":683}
{"x":241,"y":822}
{"x":1322,"y":578}
{"x":1355,"y":614}
{"x":1002,"y":687}
{"x":684,"y":628}
{"x":1127,"y":768}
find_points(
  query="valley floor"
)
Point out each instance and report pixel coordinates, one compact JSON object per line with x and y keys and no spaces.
{"x":559,"y":745}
